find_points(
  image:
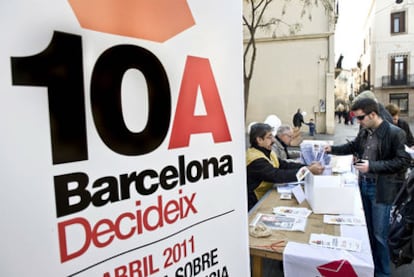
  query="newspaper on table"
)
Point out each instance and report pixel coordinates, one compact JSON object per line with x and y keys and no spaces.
{"x":343,"y":219}
{"x":281,"y":222}
{"x":335,"y":242}
{"x":292,"y":211}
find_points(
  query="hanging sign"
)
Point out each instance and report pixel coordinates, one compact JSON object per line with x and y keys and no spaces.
{"x":122,"y":139}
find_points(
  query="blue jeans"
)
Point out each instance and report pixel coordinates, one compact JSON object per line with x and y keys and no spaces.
{"x":378,"y":218}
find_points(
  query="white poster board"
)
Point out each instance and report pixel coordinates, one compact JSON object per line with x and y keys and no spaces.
{"x":122,"y":146}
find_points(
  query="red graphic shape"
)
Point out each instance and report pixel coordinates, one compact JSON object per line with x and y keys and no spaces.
{"x":155,"y":20}
{"x":340,"y":268}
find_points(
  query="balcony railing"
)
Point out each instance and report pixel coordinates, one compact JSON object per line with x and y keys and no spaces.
{"x":390,"y":81}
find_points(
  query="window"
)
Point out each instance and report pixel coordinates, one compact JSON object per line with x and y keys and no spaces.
{"x":398,"y":22}
{"x":399,"y":70}
{"x":401,"y":100}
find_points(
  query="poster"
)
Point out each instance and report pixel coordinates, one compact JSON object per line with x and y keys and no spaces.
{"x":122,"y":146}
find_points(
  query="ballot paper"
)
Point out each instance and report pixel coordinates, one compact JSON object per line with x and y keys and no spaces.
{"x":343,"y":219}
{"x":302,"y":172}
{"x":292,"y":211}
{"x":335,"y":242}
{"x":280,"y":222}
{"x":287,"y":188}
{"x":299,"y":194}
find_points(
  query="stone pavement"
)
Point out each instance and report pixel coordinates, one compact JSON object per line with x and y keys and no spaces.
{"x":342,"y":133}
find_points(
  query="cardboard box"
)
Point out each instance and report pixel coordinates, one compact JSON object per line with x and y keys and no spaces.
{"x":327,"y":195}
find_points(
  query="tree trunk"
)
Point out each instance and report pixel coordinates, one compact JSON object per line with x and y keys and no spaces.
{"x":246,"y":95}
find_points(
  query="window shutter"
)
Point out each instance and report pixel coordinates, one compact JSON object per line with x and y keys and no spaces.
{"x":402,"y":22}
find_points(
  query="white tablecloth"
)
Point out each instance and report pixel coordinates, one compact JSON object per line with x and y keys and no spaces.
{"x":308,"y":260}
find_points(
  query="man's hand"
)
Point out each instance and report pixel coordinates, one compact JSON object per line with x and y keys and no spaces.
{"x":316,"y":168}
{"x":362,"y":166}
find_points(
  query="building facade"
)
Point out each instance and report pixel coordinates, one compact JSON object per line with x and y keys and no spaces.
{"x":389,"y":59}
{"x":294,"y":68}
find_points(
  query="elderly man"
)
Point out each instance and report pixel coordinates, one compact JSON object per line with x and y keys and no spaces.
{"x":284,"y":136}
{"x":264,"y":169}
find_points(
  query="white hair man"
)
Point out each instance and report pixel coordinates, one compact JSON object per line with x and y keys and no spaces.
{"x":284,"y":136}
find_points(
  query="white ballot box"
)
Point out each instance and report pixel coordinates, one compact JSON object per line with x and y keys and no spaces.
{"x":327,"y":194}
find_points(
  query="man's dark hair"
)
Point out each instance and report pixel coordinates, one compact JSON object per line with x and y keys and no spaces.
{"x":259,"y":130}
{"x":367,"y":105}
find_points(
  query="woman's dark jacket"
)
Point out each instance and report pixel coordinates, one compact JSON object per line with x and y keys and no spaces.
{"x":392,"y":159}
{"x":404,"y":125}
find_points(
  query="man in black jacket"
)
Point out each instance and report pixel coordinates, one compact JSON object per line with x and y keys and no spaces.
{"x":382,"y":162}
{"x":298,"y":119}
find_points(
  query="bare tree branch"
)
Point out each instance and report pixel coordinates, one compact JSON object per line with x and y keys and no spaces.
{"x":254,"y":19}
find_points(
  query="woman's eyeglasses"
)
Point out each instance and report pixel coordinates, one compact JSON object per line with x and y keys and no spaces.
{"x":361,"y":117}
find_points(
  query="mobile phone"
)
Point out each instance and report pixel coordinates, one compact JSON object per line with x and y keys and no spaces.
{"x":359,"y":161}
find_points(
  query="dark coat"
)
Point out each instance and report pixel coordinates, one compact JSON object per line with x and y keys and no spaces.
{"x":298,"y":120}
{"x":392,"y":159}
{"x":384,"y":113}
{"x":404,"y":125}
{"x":262,"y":170}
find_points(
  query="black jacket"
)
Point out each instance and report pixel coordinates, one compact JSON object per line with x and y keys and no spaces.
{"x":404,"y":125}
{"x":298,"y":120}
{"x":392,"y":159}
{"x":262,"y":170}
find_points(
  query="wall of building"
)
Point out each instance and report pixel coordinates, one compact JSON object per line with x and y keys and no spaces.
{"x":386,"y":45}
{"x":295,"y":71}
{"x":290,"y":74}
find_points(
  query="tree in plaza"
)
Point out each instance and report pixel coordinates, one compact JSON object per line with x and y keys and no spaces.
{"x":255,"y":17}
